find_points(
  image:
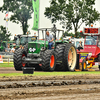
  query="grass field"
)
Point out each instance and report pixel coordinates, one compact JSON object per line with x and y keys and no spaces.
{"x":6,"y":65}
{"x":51,"y":73}
{"x":11,"y":65}
{"x":45,"y":73}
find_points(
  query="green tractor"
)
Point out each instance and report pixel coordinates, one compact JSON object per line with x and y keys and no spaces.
{"x":23,"y":40}
{"x":3,"y":45}
{"x":11,"y":43}
{"x":62,"y":56}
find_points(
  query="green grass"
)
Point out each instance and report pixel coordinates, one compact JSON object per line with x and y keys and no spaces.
{"x":50,"y":73}
{"x":6,"y":65}
{"x":11,"y":65}
{"x":44,"y":73}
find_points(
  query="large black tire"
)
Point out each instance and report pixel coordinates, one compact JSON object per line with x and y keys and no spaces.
{"x":77,"y":64}
{"x":48,"y":61}
{"x":26,"y":48}
{"x":99,"y":61}
{"x":70,"y":57}
{"x":18,"y":59}
{"x":84,"y":65}
{"x":59,"y":51}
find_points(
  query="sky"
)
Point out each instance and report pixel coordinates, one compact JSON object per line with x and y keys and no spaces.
{"x":43,"y":21}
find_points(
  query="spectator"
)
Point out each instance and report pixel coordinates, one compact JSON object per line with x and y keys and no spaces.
{"x":50,"y":39}
{"x":8,"y":49}
{"x":20,"y":46}
{"x":80,"y":45}
{"x":13,"y":49}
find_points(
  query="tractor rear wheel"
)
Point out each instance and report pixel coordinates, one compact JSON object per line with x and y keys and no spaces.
{"x":59,"y":51}
{"x":70,"y":57}
{"x":48,"y":61}
{"x":99,"y":60}
{"x":18,"y":55}
{"x":77,"y":64}
{"x":84,"y":65}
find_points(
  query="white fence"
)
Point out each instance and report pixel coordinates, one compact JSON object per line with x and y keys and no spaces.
{"x":6,"y":58}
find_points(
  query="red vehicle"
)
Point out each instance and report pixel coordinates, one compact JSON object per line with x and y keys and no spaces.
{"x":90,"y":55}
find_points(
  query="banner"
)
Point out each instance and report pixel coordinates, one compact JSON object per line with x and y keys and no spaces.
{"x":36,"y":14}
{"x":6,"y":18}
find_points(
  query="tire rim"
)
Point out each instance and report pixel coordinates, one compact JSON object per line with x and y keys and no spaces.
{"x":23,"y":64}
{"x":72,"y":58}
{"x":70,"y":55}
{"x":52,"y":60}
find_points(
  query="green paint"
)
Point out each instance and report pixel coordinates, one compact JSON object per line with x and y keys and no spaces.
{"x":36,"y":14}
{"x":37,"y":45}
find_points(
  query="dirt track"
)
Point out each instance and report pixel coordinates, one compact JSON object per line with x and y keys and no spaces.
{"x":75,"y":87}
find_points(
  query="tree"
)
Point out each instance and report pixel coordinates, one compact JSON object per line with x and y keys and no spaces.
{"x":72,"y":13}
{"x":21,"y":9}
{"x":69,"y":34}
{"x":3,"y":35}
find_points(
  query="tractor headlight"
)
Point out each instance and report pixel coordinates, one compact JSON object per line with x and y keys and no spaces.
{"x":90,"y":54}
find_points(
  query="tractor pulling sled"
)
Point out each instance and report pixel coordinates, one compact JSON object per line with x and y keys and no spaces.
{"x":62,"y":56}
{"x":90,"y":55}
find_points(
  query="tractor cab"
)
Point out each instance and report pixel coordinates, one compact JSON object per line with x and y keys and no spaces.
{"x":24,"y":39}
{"x":91,"y":41}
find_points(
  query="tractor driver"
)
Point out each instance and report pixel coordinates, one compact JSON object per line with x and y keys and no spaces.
{"x":50,"y":39}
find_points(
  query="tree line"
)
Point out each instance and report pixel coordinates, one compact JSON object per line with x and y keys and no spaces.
{"x":70,"y":13}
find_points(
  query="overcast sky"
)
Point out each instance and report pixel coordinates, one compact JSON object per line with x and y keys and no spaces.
{"x":44,"y":22}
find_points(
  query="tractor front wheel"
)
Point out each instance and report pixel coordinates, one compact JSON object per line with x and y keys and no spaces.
{"x":48,"y":61}
{"x":18,"y":56}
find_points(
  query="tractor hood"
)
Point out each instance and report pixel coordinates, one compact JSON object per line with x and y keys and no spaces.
{"x":36,"y":46}
{"x":91,"y":49}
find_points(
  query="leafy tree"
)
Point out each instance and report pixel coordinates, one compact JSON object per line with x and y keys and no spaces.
{"x":21,"y":9}
{"x":3,"y":35}
{"x":79,"y":34}
{"x":69,"y":34}
{"x":72,"y":13}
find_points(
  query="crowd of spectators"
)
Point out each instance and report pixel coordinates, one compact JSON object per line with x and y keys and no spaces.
{"x":10,"y":50}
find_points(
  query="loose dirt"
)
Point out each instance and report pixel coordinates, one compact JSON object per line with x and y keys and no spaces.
{"x":73,"y":87}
